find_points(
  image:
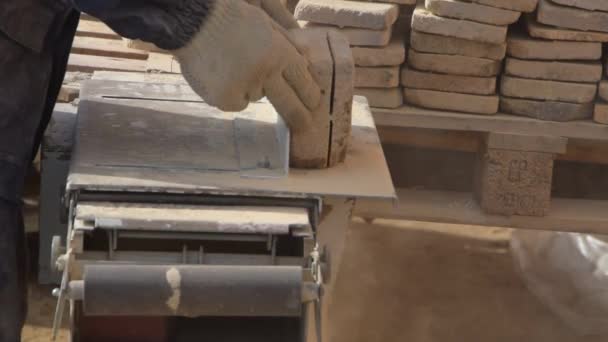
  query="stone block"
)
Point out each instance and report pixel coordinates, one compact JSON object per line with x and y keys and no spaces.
{"x":554,"y":70}
{"x":592,"y":5}
{"x":600,"y":114}
{"x":472,"y":11}
{"x":547,"y":90}
{"x":538,"y":30}
{"x":524,"y":47}
{"x":370,"y":15}
{"x":425,"y":21}
{"x":453,"y":64}
{"x":514,"y":5}
{"x":603,"y":90}
{"x":546,"y":110}
{"x":432,"y":43}
{"x":411,"y":78}
{"x":571,"y":17}
{"x":377,"y":77}
{"x":466,"y":103}
{"x":358,"y":36}
{"x":391,"y":55}
{"x":382,"y":97}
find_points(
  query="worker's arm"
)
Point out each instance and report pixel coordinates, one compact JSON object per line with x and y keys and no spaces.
{"x":231,"y":51}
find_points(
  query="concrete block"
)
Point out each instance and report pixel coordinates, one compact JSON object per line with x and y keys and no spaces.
{"x":592,"y":5}
{"x":391,"y":55}
{"x":472,"y":11}
{"x":546,"y":110}
{"x":432,"y":43}
{"x":411,"y":78}
{"x":514,"y":182}
{"x":554,"y":70}
{"x":382,"y":97}
{"x":547,"y":90}
{"x":425,"y":21}
{"x":538,"y":30}
{"x":524,"y":47}
{"x":453,"y":64}
{"x":377,"y":77}
{"x":358,"y":36}
{"x":514,"y":5}
{"x":600,"y":114}
{"x":370,"y":15}
{"x":571,"y":17}
{"x":467,"y":103}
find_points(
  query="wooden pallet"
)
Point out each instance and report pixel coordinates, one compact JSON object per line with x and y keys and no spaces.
{"x":519,"y":144}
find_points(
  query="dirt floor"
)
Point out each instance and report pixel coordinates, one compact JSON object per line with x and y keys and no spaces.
{"x":406,"y":281}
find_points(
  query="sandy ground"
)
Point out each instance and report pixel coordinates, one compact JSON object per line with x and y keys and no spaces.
{"x":406,"y":281}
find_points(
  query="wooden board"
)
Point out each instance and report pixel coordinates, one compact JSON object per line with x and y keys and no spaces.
{"x":106,"y":47}
{"x":93,"y":28}
{"x":408,"y":116}
{"x":363,"y":174}
{"x":89,"y":63}
{"x":568,"y":215}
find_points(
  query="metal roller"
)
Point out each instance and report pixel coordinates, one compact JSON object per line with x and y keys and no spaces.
{"x":193,"y":291}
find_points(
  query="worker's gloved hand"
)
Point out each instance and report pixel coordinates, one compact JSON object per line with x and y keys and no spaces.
{"x":240,"y":54}
{"x":277,"y":11}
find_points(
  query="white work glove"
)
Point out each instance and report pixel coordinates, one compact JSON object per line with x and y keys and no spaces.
{"x":277,"y":11}
{"x":240,"y":55}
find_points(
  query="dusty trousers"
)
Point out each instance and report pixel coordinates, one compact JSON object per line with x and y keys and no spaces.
{"x":35,"y":40}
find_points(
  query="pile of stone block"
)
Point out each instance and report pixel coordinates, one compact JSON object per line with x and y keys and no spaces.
{"x":554,"y":64}
{"x":376,"y":31}
{"x":456,"y":52}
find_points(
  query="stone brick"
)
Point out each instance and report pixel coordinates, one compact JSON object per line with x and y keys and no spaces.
{"x":432,"y":43}
{"x":449,"y":83}
{"x":571,"y":17}
{"x":467,"y":103}
{"x":453,"y":64}
{"x":600,"y":114}
{"x":425,"y":21}
{"x":370,"y":15}
{"x":391,"y":55}
{"x":377,"y":77}
{"x":524,"y":47}
{"x":592,"y":5}
{"x":359,"y":37}
{"x":554,"y":70}
{"x":603,"y":90}
{"x":546,"y":110}
{"x":538,"y":30}
{"x":514,"y":5}
{"x":382,"y":97}
{"x":547,"y":90}
{"x":471,"y":11}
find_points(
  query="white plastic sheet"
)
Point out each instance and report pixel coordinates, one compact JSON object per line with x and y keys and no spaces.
{"x":569,"y":273}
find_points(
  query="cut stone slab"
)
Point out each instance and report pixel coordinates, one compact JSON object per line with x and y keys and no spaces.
{"x":592,"y":5}
{"x":382,"y":97}
{"x":391,"y":55}
{"x":471,"y":11}
{"x":554,"y":70}
{"x":538,"y":30}
{"x":324,"y":145}
{"x":370,"y":15}
{"x":603,"y":90}
{"x":546,"y":110}
{"x":547,"y":90}
{"x":467,"y":103}
{"x":425,"y":21}
{"x":525,"y":47}
{"x":377,"y":77}
{"x":571,"y":17}
{"x":357,"y":36}
{"x":600,"y":114}
{"x":433,"y":43}
{"x":449,"y":83}
{"x":514,"y":5}
{"x":453,"y":64}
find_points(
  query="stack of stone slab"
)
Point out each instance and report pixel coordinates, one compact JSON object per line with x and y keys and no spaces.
{"x":554,"y":67}
{"x":600,"y":113}
{"x":456,"y":53}
{"x":378,"y":51}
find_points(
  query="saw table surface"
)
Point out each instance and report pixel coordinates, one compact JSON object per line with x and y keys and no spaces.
{"x":139,"y":137}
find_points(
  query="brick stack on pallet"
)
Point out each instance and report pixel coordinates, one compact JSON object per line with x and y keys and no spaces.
{"x":456,"y":53}
{"x":378,"y":50}
{"x":553,"y":69}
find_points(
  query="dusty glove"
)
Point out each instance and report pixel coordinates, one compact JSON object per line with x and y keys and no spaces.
{"x":240,"y":54}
